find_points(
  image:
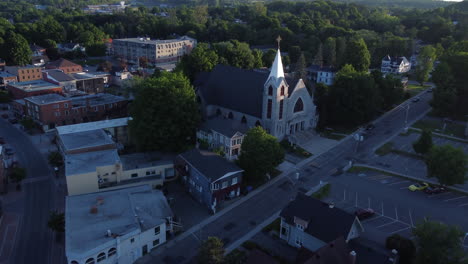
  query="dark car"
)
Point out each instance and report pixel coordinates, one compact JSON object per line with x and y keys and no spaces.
{"x":13,"y":120}
{"x":364,"y":213}
{"x":416,"y":99}
{"x":434,"y":190}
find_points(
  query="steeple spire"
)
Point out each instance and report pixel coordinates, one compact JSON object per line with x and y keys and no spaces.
{"x":277,"y":67}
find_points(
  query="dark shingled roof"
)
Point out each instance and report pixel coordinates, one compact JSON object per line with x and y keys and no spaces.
{"x":335,"y":252}
{"x":317,"y":68}
{"x":325,"y":223}
{"x":59,"y":75}
{"x":61,"y":63}
{"x":233,"y":88}
{"x":225,"y":126}
{"x":210,"y":164}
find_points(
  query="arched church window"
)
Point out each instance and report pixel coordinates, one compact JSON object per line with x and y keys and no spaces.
{"x":243,"y":120}
{"x":218,"y":111}
{"x":299,"y":106}
{"x":270,"y":90}
{"x":282,"y":90}
{"x":230,"y":116}
{"x":258,"y":123}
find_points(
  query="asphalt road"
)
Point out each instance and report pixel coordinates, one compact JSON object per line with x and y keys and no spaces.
{"x":34,"y":239}
{"x":240,"y":220}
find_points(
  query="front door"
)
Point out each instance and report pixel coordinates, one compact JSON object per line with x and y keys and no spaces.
{"x":145,"y":249}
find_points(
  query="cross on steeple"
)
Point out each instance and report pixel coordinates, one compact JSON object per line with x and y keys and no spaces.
{"x":278,"y":39}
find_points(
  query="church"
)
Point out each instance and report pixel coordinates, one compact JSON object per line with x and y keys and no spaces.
{"x":273,"y":100}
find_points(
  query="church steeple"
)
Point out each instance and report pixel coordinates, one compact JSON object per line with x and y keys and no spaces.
{"x":277,"y":67}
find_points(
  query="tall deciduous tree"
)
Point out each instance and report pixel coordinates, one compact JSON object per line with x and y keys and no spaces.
{"x":425,"y":63}
{"x":17,"y":51}
{"x":329,"y":51}
{"x":211,"y":251}
{"x":318,"y":58}
{"x":56,"y":221}
{"x":201,"y":59}
{"x":447,"y":164}
{"x":438,"y":243}
{"x":358,"y":55}
{"x":424,"y":144}
{"x":165,"y":113}
{"x":260,"y":154}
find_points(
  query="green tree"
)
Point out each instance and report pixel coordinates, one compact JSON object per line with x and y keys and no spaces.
{"x":165,"y":113}
{"x":211,"y":251}
{"x":294,"y":53}
{"x":318,"y":58}
{"x":260,"y":154}
{"x":17,"y":51}
{"x":18,"y":174}
{"x":438,"y":243}
{"x":55,"y":158}
{"x":268,"y":57}
{"x":56,"y":221}
{"x":27,"y":123}
{"x":447,"y":164}
{"x":424,"y":144}
{"x":358,"y":55}
{"x":329,"y":51}
{"x":340,"y":52}
{"x":425,"y":63}
{"x":300,"y":68}
{"x":201,"y":59}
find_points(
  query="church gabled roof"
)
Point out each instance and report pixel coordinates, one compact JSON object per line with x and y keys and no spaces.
{"x":233,"y":88}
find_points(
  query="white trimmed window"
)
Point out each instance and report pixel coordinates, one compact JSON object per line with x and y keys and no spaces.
{"x":300,"y":227}
{"x":234,"y":180}
{"x":299,"y":240}
{"x":216,"y":186}
{"x":157,"y":230}
{"x":225,"y":185}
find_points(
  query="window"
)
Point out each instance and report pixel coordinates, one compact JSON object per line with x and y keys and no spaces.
{"x":281,"y":110}
{"x":216,"y":186}
{"x":299,"y":240}
{"x":67,"y":112}
{"x":282,"y":90}
{"x":239,"y":141}
{"x":225,"y":185}
{"x":300,"y":227}
{"x":90,"y":261}
{"x":57,"y":113}
{"x":65,"y":105}
{"x":95,"y":108}
{"x":230,"y":115}
{"x":234,"y":181}
{"x":233,"y":142}
{"x":155,"y":242}
{"x":258,"y":123}
{"x":243,"y":120}
{"x":134,"y":175}
{"x":132,"y":240}
{"x":269,"y":105}
{"x":270,"y":90}
{"x":101,"y":257}
{"x":299,"y":106}
{"x":157,"y":230}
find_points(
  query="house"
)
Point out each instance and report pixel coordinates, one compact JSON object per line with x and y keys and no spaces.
{"x":51,"y":110}
{"x":103,"y":170}
{"x":117,"y":128}
{"x":25,"y":73}
{"x":321,"y":74}
{"x":310,"y":223}
{"x":39,"y":61}
{"x":5,"y":78}
{"x":335,"y":252}
{"x":21,"y":90}
{"x":88,"y":83}
{"x":37,"y":50}
{"x":65,"y":65}
{"x":273,"y":100}
{"x":69,"y":47}
{"x":58,"y":77}
{"x":395,"y":65}
{"x":85,"y":141}
{"x":208,"y":177}
{"x":116,"y":226}
{"x":221,"y":133}
{"x":119,"y":75}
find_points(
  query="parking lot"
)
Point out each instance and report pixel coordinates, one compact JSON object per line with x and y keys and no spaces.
{"x":402,"y":209}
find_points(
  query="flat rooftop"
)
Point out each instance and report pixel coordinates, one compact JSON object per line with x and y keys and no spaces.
{"x":144,"y":160}
{"x":154,"y":41}
{"x":89,"y":161}
{"x":96,"y":99}
{"x":122,"y":212}
{"x":108,"y":123}
{"x":85,"y":139}
{"x":36,"y":85}
{"x":46,"y":99}
{"x":83,"y":76}
{"x":5,"y":74}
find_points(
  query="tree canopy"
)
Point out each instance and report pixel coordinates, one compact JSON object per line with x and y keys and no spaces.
{"x":211,"y":251}
{"x":165,"y":113}
{"x":424,"y":144}
{"x":447,"y":164}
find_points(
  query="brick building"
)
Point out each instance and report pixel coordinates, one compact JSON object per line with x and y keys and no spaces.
{"x":154,"y":51}
{"x":88,"y":83}
{"x":65,"y":65}
{"x":52,"y":109}
{"x":25,"y":73}
{"x":22,"y":90}
{"x":6,"y":78}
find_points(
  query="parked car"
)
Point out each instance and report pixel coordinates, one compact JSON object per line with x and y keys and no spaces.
{"x":13,"y":120}
{"x":434,"y":190}
{"x":418,"y":186}
{"x":415,"y":100}
{"x":364,"y":213}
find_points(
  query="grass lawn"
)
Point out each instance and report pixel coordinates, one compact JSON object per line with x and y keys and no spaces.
{"x":414,"y":89}
{"x":330,"y":135}
{"x":436,"y":125}
{"x":295,"y":150}
{"x":275,"y":225}
{"x":322,"y":192}
{"x":384,"y":149}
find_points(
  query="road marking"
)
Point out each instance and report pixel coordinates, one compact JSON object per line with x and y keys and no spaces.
{"x":396,"y":213}
{"x":368,"y":220}
{"x":411,"y":218}
{"x":452,"y":199}
{"x":395,"y":183}
{"x":356,"y":199}
{"x":463,"y":204}
{"x":398,"y":231}
{"x":386,"y":224}
{"x":195,"y":236}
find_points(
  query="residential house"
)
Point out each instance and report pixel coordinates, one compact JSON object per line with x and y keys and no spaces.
{"x":321,"y":74}
{"x":37,"y":50}
{"x":395,"y":65}
{"x":133,"y":50}
{"x":21,"y":90}
{"x":310,"y":223}
{"x":208,"y":177}
{"x":117,"y":128}
{"x":58,"y":77}
{"x":52,"y":109}
{"x":69,"y":47}
{"x":117,"y":226}
{"x":279,"y":103}
{"x":119,"y":75}
{"x":88,"y":83}
{"x":103,"y":170}
{"x":6,"y":78}
{"x":25,"y":73}
{"x":222,"y":133}
{"x":65,"y":65}
{"x":39,"y":57}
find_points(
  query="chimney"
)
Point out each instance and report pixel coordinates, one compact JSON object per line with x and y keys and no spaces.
{"x":352,"y":257}
{"x":109,"y":233}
